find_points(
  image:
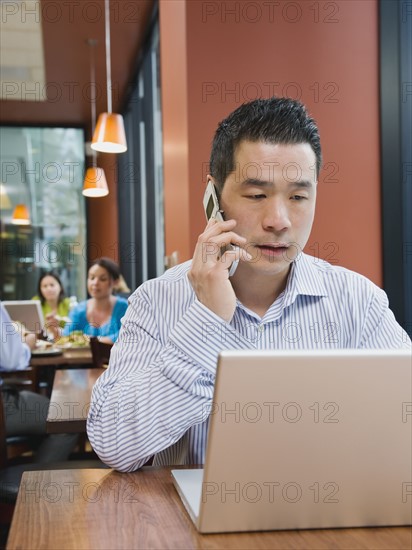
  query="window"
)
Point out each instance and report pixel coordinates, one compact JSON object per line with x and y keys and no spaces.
{"x":396,"y":153}
{"x":42,"y":168}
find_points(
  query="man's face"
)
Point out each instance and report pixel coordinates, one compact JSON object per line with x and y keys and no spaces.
{"x":271,"y":194}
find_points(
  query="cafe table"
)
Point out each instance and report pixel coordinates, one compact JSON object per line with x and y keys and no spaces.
{"x":70,"y":400}
{"x":45,"y":362}
{"x":78,"y":356}
{"x":102,"y":509}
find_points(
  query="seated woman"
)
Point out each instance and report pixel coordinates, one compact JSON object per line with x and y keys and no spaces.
{"x":100,"y":315}
{"x":53,"y":303}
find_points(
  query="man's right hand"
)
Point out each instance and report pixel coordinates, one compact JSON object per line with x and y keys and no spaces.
{"x":209,"y":273}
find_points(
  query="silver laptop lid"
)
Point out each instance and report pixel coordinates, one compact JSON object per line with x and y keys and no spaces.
{"x":26,"y":312}
{"x":309,"y":439}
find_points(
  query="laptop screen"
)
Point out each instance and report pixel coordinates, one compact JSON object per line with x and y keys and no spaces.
{"x":26,"y":312}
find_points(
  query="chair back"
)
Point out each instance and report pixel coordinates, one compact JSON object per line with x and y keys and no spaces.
{"x":100,"y":352}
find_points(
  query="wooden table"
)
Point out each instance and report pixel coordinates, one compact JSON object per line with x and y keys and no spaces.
{"x":70,"y":400}
{"x":44,"y":365}
{"x":41,"y":363}
{"x":93,"y":509}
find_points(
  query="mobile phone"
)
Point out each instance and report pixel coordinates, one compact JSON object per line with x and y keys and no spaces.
{"x":212,"y":210}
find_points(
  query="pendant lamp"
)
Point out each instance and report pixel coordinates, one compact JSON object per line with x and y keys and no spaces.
{"x":109,"y":135}
{"x":95,"y":184}
{"x":21,"y":215}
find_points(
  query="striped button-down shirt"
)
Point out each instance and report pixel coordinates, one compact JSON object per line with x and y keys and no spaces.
{"x":155,"y":397}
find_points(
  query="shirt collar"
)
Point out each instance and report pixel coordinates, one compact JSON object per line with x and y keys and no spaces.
{"x":304,"y":279}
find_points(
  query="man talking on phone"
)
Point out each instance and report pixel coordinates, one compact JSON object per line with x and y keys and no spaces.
{"x":155,"y":398}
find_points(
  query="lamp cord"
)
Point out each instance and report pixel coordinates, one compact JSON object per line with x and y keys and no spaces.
{"x":93,"y":92}
{"x":108,"y":71}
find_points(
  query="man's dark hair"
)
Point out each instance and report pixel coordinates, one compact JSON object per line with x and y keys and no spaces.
{"x":109,"y":265}
{"x":275,"y":120}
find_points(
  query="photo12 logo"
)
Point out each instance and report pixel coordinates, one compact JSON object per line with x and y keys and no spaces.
{"x":406,"y":412}
{"x":70,"y":12}
{"x":270,"y":11}
{"x":406,"y":492}
{"x":274,"y":411}
{"x":224,"y":91}
{"x":270,"y":492}
{"x":71,"y":491}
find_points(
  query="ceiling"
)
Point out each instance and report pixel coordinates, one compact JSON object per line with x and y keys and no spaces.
{"x":45,"y":58}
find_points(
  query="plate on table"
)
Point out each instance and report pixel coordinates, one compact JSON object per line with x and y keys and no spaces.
{"x":76,"y":341}
{"x":74,"y":349}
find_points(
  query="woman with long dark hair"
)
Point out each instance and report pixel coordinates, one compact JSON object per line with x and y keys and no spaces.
{"x":54,"y":304}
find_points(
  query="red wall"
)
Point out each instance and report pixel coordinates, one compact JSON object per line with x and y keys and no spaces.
{"x":177,"y":191}
{"x":326,"y":53}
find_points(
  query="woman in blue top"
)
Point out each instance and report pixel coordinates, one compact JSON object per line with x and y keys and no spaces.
{"x":100,"y":315}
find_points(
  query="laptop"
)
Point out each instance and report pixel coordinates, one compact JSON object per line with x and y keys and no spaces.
{"x":27,"y":312}
{"x":305,"y":440}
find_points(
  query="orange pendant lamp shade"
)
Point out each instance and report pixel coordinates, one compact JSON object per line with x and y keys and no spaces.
{"x":21,"y":215}
{"x":95,"y":184}
{"x":109,"y":135}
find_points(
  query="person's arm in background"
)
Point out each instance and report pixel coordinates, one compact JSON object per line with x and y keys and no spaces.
{"x":52,"y":326}
{"x":55,"y":322}
{"x":15,"y":349}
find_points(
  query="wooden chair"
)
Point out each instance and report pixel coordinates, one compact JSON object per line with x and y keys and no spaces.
{"x":15,"y":446}
{"x":100,"y":352}
{"x":25,"y":377}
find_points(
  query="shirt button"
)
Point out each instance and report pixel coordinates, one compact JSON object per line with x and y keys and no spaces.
{"x":261,"y":328}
